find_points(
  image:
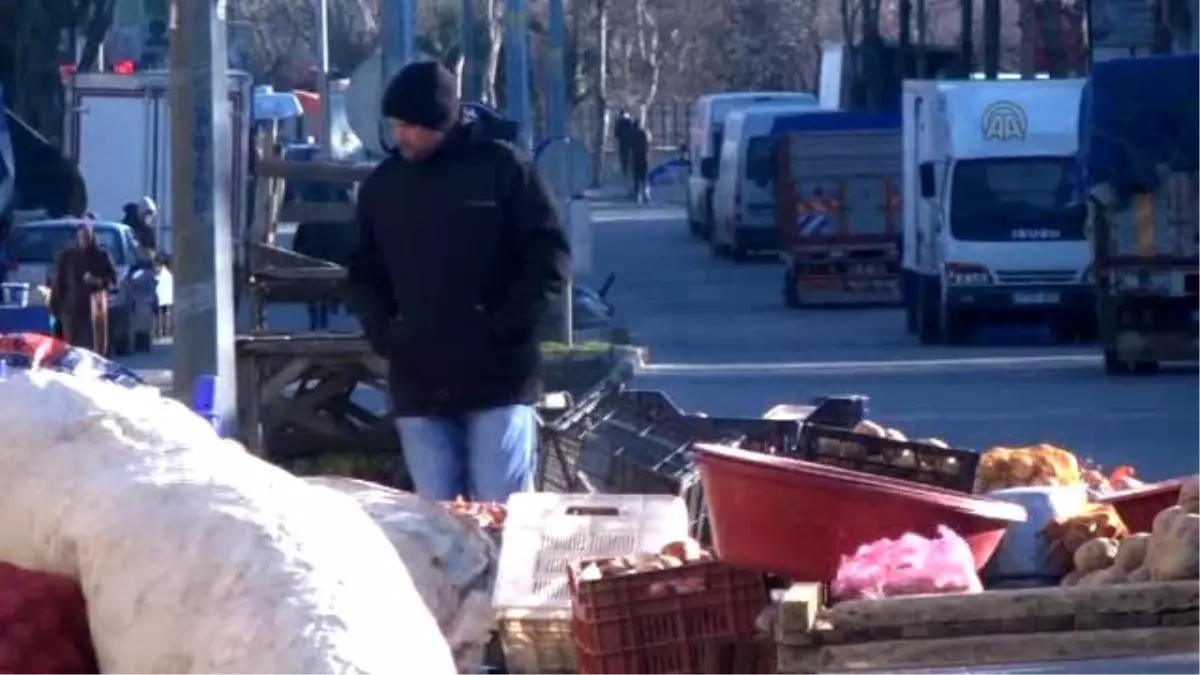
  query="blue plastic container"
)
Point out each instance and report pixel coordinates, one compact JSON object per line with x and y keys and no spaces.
{"x":204,"y":400}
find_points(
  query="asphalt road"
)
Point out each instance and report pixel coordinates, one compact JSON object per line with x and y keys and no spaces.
{"x":721,"y":341}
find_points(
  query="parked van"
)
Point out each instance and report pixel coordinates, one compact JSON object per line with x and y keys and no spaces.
{"x":743,"y":204}
{"x":708,"y":121}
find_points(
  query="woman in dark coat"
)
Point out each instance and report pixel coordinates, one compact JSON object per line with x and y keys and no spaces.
{"x":83,"y":275}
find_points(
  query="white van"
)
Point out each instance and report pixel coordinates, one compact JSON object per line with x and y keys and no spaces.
{"x":708,"y":120}
{"x":743,"y":202}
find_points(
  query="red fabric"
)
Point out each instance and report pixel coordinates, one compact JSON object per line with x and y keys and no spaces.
{"x":43,"y":624}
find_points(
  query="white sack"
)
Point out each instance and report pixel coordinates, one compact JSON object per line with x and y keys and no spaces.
{"x":451,"y":561}
{"x":193,"y":555}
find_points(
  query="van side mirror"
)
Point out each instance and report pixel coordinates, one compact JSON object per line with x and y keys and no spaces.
{"x":708,"y":168}
{"x":928,"y":180}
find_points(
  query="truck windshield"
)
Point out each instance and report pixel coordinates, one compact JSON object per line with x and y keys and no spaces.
{"x":1014,"y":199}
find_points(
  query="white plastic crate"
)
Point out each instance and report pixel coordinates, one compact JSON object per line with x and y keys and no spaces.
{"x":545,"y":531}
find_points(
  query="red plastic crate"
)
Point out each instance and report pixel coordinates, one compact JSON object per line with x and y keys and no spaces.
{"x":1138,"y":508}
{"x":679,"y":620}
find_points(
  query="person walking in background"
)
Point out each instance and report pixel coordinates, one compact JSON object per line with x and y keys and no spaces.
{"x":140,"y":218}
{"x":164,"y":297}
{"x":623,"y":132}
{"x":82,"y":276}
{"x":460,"y":253}
{"x":640,"y":163}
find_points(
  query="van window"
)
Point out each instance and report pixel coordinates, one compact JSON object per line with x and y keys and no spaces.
{"x":761,"y":160}
{"x":1014,"y":199}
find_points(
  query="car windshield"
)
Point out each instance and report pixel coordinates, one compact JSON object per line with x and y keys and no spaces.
{"x":1014,"y":199}
{"x":40,"y":244}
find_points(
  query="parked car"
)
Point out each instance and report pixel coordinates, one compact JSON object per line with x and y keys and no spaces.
{"x":33,"y":246}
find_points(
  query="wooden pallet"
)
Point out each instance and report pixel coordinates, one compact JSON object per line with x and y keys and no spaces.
{"x":995,"y":627}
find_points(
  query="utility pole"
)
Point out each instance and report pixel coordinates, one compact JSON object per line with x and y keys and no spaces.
{"x":470,"y":50}
{"x":905,"y":41}
{"x":556,"y":107}
{"x":991,"y":39}
{"x":968,"y":38}
{"x":397,"y":19}
{"x":201,"y":143}
{"x":516,"y":71}
{"x":922,"y":43}
{"x":326,"y":139}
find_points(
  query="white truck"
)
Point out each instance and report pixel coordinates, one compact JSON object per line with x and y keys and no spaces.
{"x":989,"y":228}
{"x":118,"y":131}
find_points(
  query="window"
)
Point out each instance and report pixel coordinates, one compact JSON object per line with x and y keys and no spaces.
{"x":1014,"y":199}
{"x":40,"y":244}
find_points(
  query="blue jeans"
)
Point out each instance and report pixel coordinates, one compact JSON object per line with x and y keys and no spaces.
{"x":482,"y":455}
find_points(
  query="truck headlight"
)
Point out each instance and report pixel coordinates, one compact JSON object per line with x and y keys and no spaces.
{"x":967,"y":274}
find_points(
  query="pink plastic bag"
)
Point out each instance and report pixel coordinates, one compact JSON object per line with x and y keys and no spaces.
{"x":910,"y":565}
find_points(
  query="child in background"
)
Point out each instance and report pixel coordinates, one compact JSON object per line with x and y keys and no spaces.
{"x":164,"y":298}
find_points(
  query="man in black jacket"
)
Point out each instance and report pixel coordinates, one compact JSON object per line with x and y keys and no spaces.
{"x":460,"y":254}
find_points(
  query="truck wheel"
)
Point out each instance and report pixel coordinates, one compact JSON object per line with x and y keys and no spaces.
{"x":718,"y":247}
{"x":120,"y":328}
{"x":1146,"y":367}
{"x":791,"y":296}
{"x":738,"y":253}
{"x":956,"y":327}
{"x":910,"y":303}
{"x":1114,"y":364}
{"x":929,"y":315}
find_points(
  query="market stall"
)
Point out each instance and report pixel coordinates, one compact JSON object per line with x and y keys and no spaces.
{"x":813,"y":540}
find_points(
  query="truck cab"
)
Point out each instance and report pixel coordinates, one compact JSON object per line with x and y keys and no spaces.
{"x":991,"y":227}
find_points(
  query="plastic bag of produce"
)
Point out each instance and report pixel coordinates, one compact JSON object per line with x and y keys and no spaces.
{"x":193,"y":555}
{"x":451,"y":560}
{"x":43,"y":624}
{"x":909,"y":565}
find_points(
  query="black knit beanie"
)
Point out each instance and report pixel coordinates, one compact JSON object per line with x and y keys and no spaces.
{"x":423,"y":93}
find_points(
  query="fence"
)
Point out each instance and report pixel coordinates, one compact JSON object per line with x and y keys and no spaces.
{"x":669,"y":123}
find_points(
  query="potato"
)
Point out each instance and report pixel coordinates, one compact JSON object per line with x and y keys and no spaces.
{"x":870,"y":428}
{"x":671,"y":562}
{"x":1072,"y":579}
{"x":1105,"y":577}
{"x":687,"y":550}
{"x":895,"y":434}
{"x":935,"y":442}
{"x":1131,"y":553}
{"x":1096,"y":554}
{"x":1140,"y":575}
{"x":1189,"y":495}
{"x":1174,"y":543}
{"x":591,"y":572}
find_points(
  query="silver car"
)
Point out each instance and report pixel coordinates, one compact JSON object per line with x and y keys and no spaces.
{"x":33,"y":246}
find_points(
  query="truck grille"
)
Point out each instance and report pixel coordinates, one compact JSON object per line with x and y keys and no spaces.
{"x":1036,"y":276}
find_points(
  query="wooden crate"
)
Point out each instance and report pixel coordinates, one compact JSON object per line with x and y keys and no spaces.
{"x":1043,"y":624}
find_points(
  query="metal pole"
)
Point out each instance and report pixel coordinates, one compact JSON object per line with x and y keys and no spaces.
{"x":396,"y":21}
{"x":470,"y":50}
{"x":325,"y":140}
{"x":556,"y":107}
{"x":201,"y":167}
{"x":516,"y":71}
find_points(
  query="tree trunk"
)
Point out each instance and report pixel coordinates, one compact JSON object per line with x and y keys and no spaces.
{"x":495,"y":11}
{"x":600,"y":87}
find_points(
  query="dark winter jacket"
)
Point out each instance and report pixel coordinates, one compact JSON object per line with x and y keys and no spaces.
{"x":458,"y":258}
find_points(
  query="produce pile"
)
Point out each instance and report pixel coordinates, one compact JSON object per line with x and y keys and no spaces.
{"x":900,"y":457}
{"x":673,"y":555}
{"x":1103,"y":551}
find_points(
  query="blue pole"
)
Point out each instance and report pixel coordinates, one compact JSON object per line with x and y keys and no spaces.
{"x":516,"y":71}
{"x":470,"y":74}
{"x":396,"y":22}
{"x":556,"y":104}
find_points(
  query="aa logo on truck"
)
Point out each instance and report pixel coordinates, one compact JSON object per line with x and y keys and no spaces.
{"x":1004,"y":121}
